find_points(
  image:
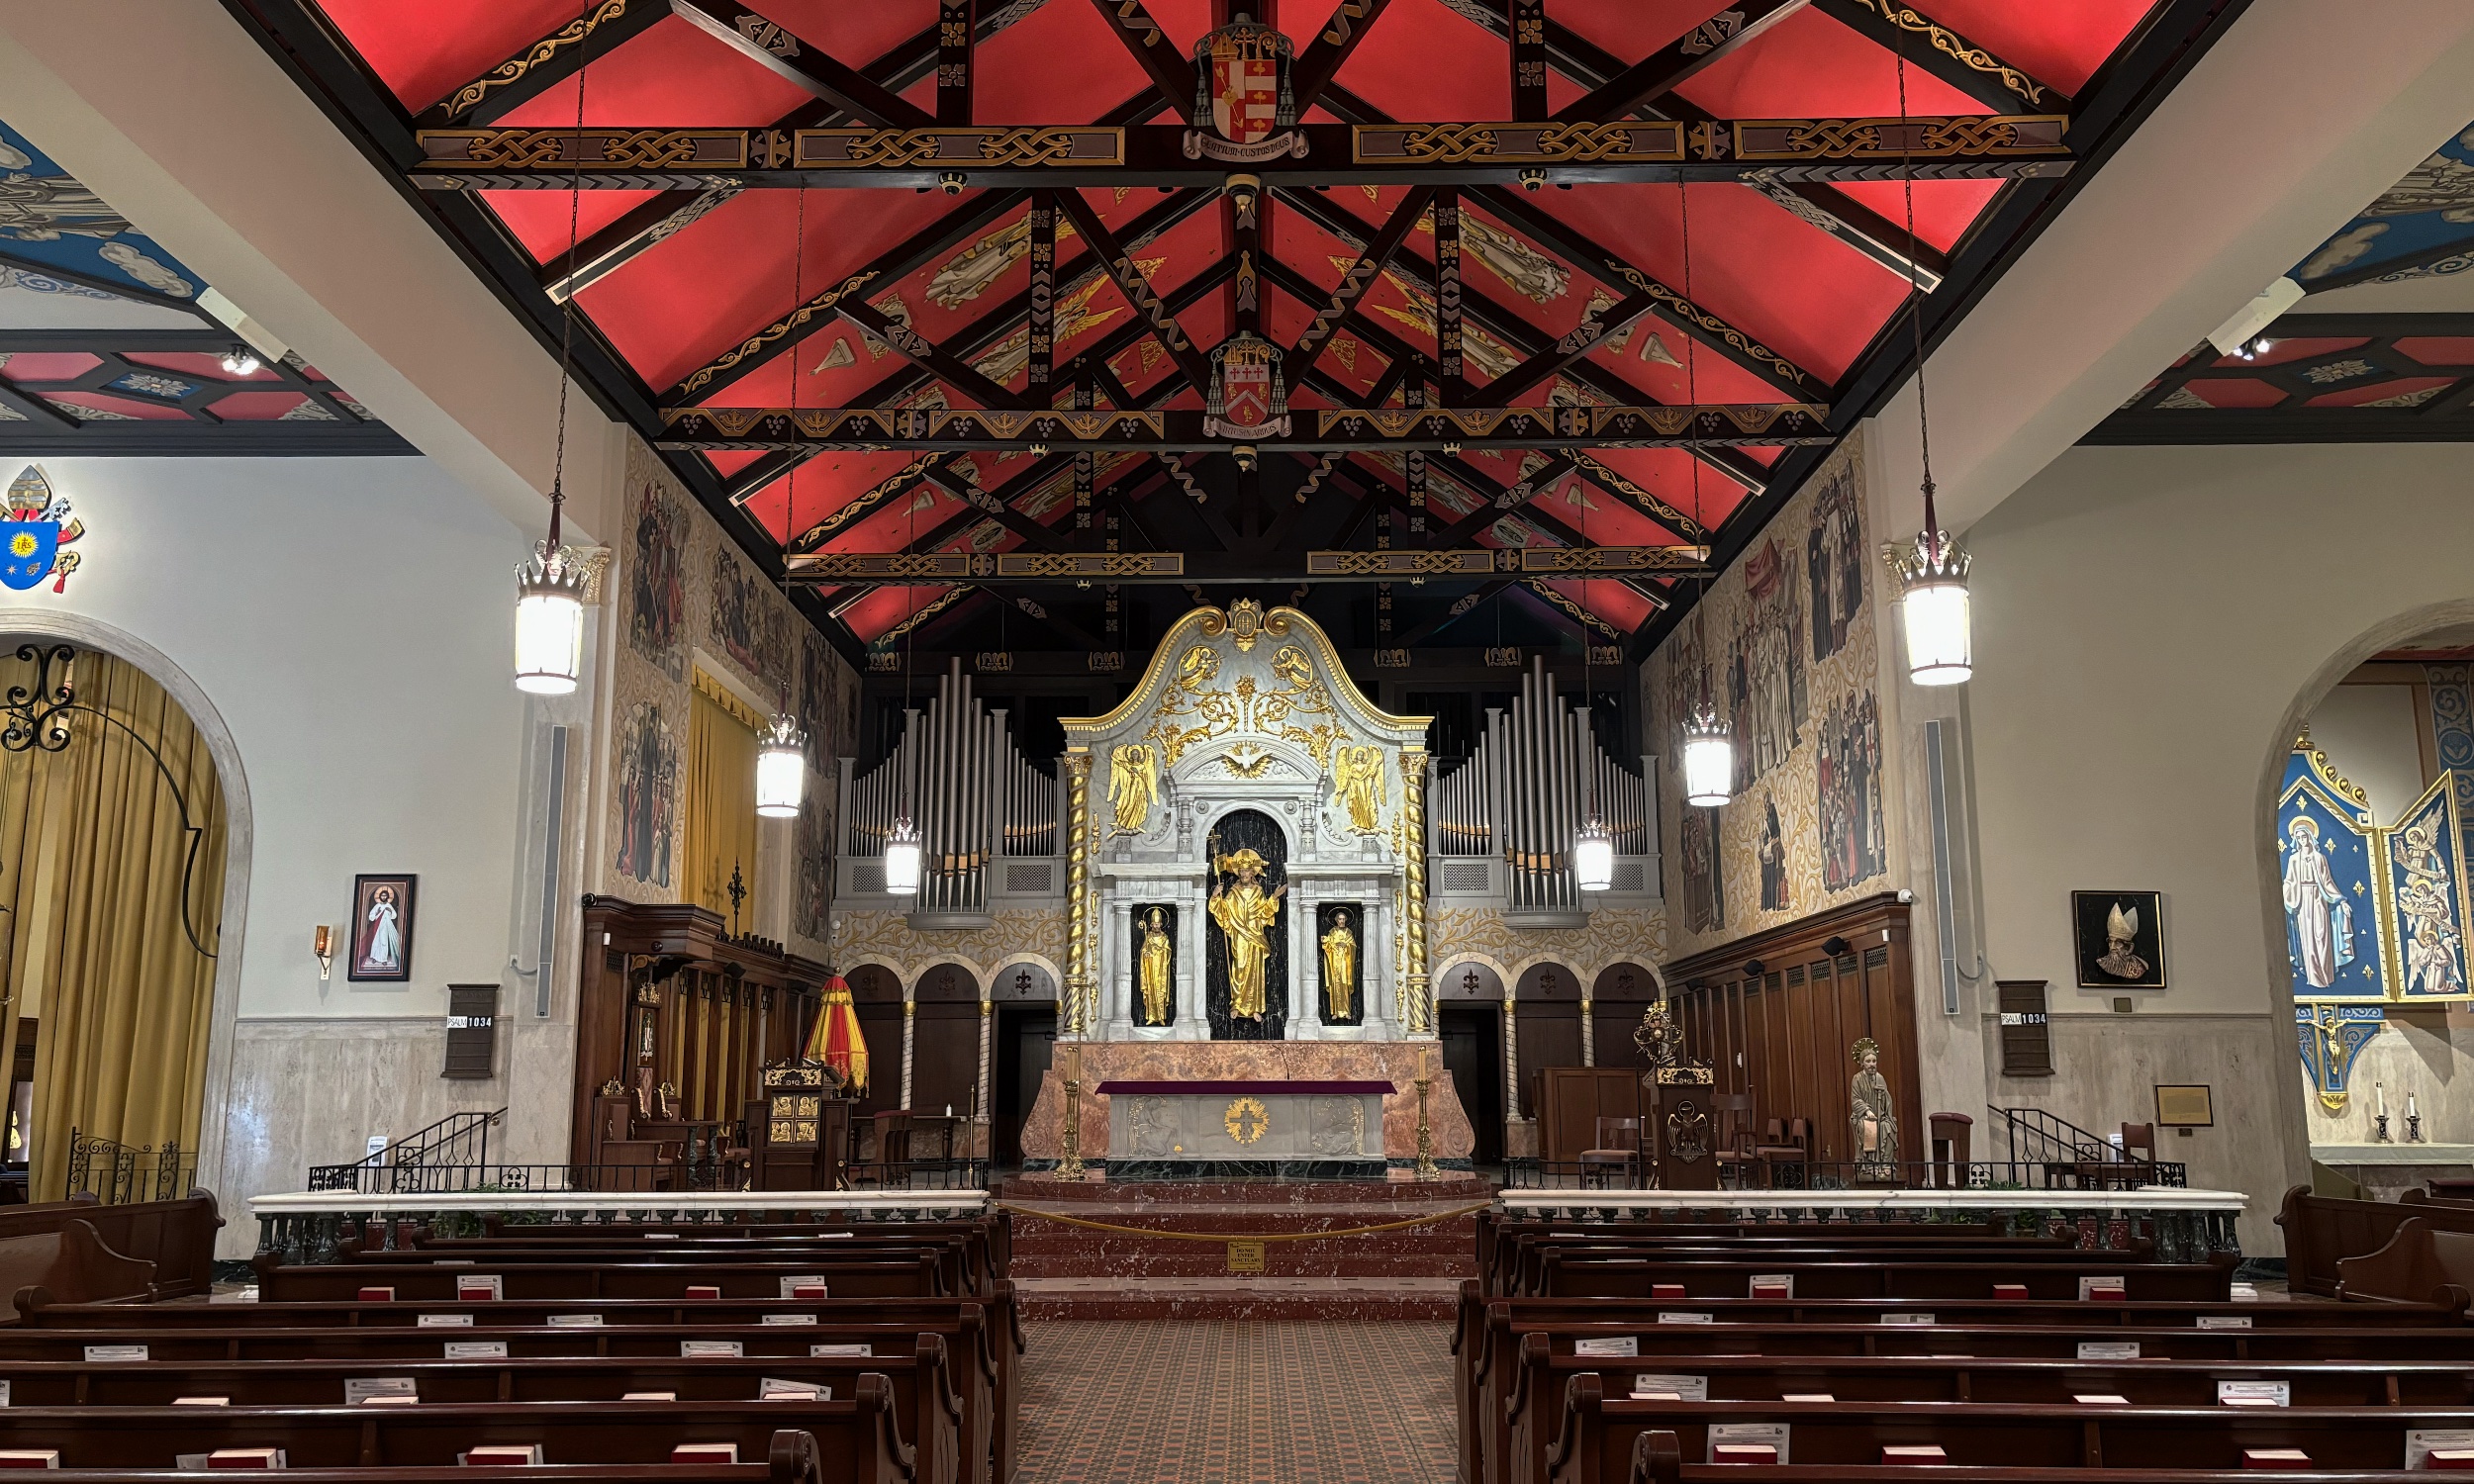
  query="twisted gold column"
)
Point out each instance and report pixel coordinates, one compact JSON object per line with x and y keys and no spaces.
{"x":1416,"y":1004}
{"x":1074,"y":1020}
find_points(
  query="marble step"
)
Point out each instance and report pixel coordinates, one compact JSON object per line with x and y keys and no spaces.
{"x":1196,"y":1259}
{"x":1041,"y":1190}
{"x":1243,"y":1297}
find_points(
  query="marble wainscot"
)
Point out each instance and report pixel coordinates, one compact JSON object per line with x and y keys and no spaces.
{"x":1392,"y":1062}
{"x":1192,"y":1131}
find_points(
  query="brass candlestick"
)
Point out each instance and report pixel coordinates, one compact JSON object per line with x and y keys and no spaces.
{"x":1071,"y":1166}
{"x":1426,"y":1170}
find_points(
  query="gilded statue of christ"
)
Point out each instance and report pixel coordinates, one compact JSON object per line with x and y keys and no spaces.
{"x":1245,"y":913}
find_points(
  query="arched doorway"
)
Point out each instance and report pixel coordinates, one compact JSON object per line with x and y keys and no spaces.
{"x":1024,"y":1003}
{"x":1468,"y":1017}
{"x":114,"y":846}
{"x":1548,"y":1021}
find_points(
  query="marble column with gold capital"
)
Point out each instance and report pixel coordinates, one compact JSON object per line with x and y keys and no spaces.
{"x":1074,"y":1020}
{"x":1417,"y":1016}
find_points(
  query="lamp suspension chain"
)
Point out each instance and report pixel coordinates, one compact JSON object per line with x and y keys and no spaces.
{"x":1708,"y":747}
{"x":782,"y":751}
{"x":551,"y":582}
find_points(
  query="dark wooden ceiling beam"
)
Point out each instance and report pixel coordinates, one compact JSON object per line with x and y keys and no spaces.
{"x":1575,"y":344}
{"x":544,"y":63}
{"x":1172,"y":74}
{"x":929,"y":356}
{"x":1653,"y":77}
{"x":1900,"y":28}
{"x":799,"y":62}
{"x":1329,"y":51}
{"x":1117,"y":261}
{"x":957,"y":41}
{"x":1340,"y":306}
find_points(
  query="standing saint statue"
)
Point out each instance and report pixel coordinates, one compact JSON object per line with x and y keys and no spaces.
{"x":1870,"y":1116}
{"x":1340,"y":969}
{"x":2316,"y":905}
{"x":1245,"y":913}
{"x":1156,"y":955}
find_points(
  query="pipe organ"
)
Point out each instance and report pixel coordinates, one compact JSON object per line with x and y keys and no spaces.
{"x":1532,"y":779}
{"x":974,"y":798}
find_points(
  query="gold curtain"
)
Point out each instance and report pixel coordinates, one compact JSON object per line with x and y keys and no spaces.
{"x":720,"y":798}
{"x":98,"y":934}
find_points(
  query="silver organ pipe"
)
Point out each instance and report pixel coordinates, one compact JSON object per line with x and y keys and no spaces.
{"x":968,"y":792}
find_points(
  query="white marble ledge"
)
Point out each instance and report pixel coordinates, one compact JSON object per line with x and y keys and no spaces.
{"x":862,"y":1204}
{"x":2393,"y":1154}
{"x":2143,"y":1198}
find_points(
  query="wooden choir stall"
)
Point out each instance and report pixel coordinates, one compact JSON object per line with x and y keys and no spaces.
{"x":688,"y":1070}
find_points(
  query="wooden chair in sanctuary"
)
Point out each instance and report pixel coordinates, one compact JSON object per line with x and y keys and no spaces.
{"x":678,"y":1020}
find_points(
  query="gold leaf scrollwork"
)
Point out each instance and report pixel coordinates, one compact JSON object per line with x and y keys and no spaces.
{"x":1951,"y":45}
{"x":1685,"y":307}
{"x":778,"y":328}
{"x":514,"y":68}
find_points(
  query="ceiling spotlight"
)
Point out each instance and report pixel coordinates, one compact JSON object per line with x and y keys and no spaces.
{"x":949,"y":181}
{"x":241,"y":360}
{"x":1531,"y":178}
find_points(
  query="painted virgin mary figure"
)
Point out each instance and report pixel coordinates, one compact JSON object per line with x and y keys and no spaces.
{"x":1245,"y":913}
{"x":1156,"y":954}
{"x":386,"y":940}
{"x":1340,"y":969}
{"x":1869,"y":1116}
{"x":2323,"y":925}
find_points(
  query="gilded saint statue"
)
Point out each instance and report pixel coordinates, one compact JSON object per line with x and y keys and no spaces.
{"x":1871,"y":1117}
{"x":1357,"y":777}
{"x":1133,"y":786}
{"x":1156,"y":955}
{"x":1245,"y":913}
{"x":1340,"y":969}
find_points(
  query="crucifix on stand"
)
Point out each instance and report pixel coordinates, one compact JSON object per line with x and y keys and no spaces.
{"x":739,"y":893}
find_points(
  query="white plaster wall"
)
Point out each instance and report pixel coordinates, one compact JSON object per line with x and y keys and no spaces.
{"x":349,"y":622}
{"x":2369,"y":732}
{"x":2153,"y":626}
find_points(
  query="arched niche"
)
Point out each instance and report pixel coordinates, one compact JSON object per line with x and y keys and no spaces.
{"x":876,"y":992}
{"x":1622,"y":994}
{"x":945,"y":1041}
{"x":1549,"y":1023}
{"x":1470,"y":982}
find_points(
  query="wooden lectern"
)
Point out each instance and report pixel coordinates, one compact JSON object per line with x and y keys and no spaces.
{"x":803,"y":1136}
{"x":1684,"y":1118}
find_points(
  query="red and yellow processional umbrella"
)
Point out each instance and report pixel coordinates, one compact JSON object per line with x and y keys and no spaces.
{"x":836,"y":1041}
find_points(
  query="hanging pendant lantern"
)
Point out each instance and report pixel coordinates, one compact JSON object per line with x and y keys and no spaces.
{"x":1708,"y":760}
{"x":549,"y":618}
{"x":1593,"y":855}
{"x":901,"y":858}
{"x":782,"y":764}
{"x":1932,"y":573}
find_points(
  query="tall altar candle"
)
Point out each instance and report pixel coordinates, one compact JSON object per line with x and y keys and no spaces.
{"x":2380,"y":1092}
{"x":2411,"y":1110}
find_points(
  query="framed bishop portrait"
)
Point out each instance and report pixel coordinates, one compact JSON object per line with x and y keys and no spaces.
{"x":2118,"y":939}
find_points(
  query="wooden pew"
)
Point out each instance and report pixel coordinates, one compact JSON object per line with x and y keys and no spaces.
{"x":2322,"y":1231}
{"x":956,"y":1271}
{"x":950,"y":1446}
{"x":2419,"y":1265}
{"x":73,"y":1260}
{"x":1657,"y":1460}
{"x":989,"y":1236}
{"x":177,"y":1237}
{"x":1528,"y":1260}
{"x":857,"y":1440}
{"x":1595,"y":1442}
{"x":1498,"y":1233}
{"x":1518,"y":1441}
{"x":1882,"y":1277}
{"x":919,"y":1276}
{"x":790,"y":1458}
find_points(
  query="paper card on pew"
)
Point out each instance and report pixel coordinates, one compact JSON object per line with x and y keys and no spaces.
{"x":450,"y":1263}
{"x":2109,"y":1349}
{"x":841,"y":1350}
{"x":787,"y":1319}
{"x":2254,"y":1393}
{"x":1907,"y":1318}
{"x":2100,"y":1399}
{"x":479,"y":1285}
{"x":2225,"y":1321}
{"x":518,"y":1454}
{"x":2103,"y":1290}
{"x":575,"y":1321}
{"x":1773,"y":1285}
{"x":662,"y":1236}
{"x":2290,"y":1460}
{"x":201,"y":1401}
{"x":1649,"y":1386}
{"x":476,"y":1350}
{"x":246,"y":1459}
{"x":704,"y":1452}
{"x":706,"y":1350}
{"x":2425,"y":1446}
{"x":1683,"y":1317}
{"x":444,"y":1321}
{"x":1620,"y":1344}
{"x":4,"y":1393}
{"x":98,"y":1354}
{"x":1747,"y":1443}
{"x":1806,"y":1396}
{"x":774,"y":1389}
{"x":360,"y":1391}
{"x":189,"y":1463}
{"x":30,"y":1458}
{"x":805,"y":1285}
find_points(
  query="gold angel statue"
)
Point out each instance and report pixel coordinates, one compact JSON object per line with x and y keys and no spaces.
{"x":1156,"y":955}
{"x":1245,"y":913}
{"x":1340,"y":969}
{"x":1357,"y":777}
{"x":1133,"y":785}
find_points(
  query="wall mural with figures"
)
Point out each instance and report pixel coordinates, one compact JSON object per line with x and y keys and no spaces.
{"x":1785,"y":648}
{"x":689,"y":599}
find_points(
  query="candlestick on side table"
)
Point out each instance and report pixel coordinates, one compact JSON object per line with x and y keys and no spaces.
{"x":1070,"y":1167}
{"x":2414,"y":1119}
{"x":2379,"y":1120}
{"x":1426,"y":1170}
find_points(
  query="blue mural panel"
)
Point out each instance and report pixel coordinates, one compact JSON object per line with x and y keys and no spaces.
{"x":2429,"y":210}
{"x":48,"y":218}
{"x":2328,"y":863}
{"x":2427,"y":891}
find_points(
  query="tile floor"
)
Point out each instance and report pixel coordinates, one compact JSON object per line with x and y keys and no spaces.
{"x":1237,"y":1403}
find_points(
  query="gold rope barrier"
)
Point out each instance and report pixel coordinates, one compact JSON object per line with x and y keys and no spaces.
{"x":1223,"y":1236}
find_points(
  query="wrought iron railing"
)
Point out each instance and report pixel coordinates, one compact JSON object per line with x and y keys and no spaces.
{"x":116,"y":1173}
{"x":1785,"y":1174}
{"x":456,"y":1140}
{"x":713,"y":1170}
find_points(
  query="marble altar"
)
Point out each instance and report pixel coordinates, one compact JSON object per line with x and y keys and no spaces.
{"x":1322,"y":1129}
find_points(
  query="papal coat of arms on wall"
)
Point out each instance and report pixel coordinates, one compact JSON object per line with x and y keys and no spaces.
{"x":35,"y":537}
{"x":1244,"y":112}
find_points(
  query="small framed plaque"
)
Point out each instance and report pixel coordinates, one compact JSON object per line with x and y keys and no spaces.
{"x":2185,"y":1106}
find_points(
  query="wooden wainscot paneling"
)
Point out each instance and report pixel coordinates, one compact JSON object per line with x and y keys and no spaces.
{"x":666,"y":989}
{"x":1774,"y":1015}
